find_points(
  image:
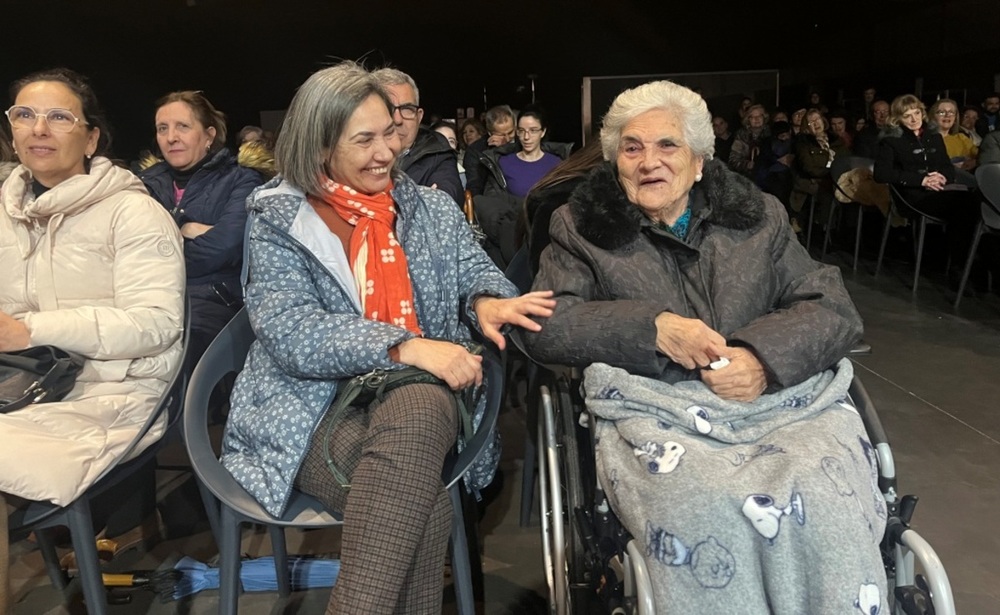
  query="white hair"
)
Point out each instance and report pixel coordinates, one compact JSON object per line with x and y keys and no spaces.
{"x":689,"y":108}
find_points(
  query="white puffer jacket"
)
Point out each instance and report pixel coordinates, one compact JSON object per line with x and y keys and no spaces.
{"x":94,"y":266}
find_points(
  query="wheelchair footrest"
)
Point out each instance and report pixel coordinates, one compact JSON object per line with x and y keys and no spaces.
{"x":915,"y":599}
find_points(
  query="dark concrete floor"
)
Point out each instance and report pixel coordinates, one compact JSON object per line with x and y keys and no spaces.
{"x":934,"y":376}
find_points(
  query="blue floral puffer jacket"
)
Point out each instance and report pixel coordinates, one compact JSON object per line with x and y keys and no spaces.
{"x":302,"y":302}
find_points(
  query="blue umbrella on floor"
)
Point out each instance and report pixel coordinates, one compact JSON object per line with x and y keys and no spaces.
{"x":256,"y":574}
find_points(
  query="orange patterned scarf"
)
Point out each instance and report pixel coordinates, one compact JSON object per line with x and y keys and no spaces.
{"x":377,"y":259}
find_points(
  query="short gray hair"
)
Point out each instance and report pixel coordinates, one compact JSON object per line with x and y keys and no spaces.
{"x":689,"y":108}
{"x":497,"y":114}
{"x":316,"y":119}
{"x":390,"y":76}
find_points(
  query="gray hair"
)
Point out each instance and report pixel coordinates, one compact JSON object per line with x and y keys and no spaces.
{"x":689,"y":108}
{"x":390,"y":76}
{"x":497,"y":114}
{"x":316,"y":119}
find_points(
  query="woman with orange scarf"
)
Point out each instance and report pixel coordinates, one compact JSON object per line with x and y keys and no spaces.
{"x":352,"y":268}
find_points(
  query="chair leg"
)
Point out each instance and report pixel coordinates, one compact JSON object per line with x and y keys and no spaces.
{"x":51,"y":558}
{"x":857,"y":236}
{"x":280,"y":550}
{"x":885,"y":239}
{"x":81,"y":528}
{"x":211,"y":511}
{"x":229,"y":561}
{"x":461,"y":567}
{"x":920,"y":252}
{"x":968,"y":261}
{"x":829,"y":228}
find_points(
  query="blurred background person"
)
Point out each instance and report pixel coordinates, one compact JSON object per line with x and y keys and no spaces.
{"x":447,"y":129}
{"x":866,"y":141}
{"x":970,"y":115}
{"x":796,"y":121}
{"x":472,"y":131}
{"x":501,"y":129}
{"x":839,"y":126}
{"x":723,"y":137}
{"x":249,"y":133}
{"x":202,"y":184}
{"x":748,"y":140}
{"x":8,"y":161}
{"x":815,"y":150}
{"x":944,"y":119}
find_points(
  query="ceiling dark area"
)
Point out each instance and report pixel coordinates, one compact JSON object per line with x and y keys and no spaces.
{"x":250,"y":55}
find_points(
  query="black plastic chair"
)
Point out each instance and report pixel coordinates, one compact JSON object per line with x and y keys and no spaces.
{"x":40,"y":516}
{"x":840,"y":166}
{"x":902,"y":208}
{"x":988,"y":178}
{"x":229,"y":506}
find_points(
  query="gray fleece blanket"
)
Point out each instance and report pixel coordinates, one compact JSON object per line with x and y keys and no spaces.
{"x":764,"y":507}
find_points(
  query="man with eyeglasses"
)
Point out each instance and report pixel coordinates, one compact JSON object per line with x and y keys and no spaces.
{"x":426,"y":155}
{"x":499,"y":123}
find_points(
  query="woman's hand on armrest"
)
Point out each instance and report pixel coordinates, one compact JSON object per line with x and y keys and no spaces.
{"x":688,"y":342}
{"x":742,"y":380}
{"x":13,"y":334}
{"x":494,"y":313}
{"x":452,"y":363}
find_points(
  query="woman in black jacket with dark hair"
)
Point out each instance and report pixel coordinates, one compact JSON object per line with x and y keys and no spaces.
{"x":914,"y":159}
{"x":205,"y":188}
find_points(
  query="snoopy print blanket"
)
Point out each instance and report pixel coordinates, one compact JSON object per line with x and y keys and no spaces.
{"x":764,"y":507}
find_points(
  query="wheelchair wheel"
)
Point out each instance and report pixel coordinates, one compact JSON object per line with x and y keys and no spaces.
{"x":561,"y":490}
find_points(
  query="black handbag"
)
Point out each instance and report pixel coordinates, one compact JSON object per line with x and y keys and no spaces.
{"x":35,"y":375}
{"x":361,"y":391}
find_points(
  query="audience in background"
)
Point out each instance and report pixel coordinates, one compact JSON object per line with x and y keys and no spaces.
{"x":989,"y":118}
{"x":866,"y":141}
{"x":970,"y":115}
{"x":748,"y":140}
{"x":723,"y":138}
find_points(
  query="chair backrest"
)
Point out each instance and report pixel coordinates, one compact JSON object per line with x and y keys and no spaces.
{"x":227,"y":353}
{"x":988,"y":178}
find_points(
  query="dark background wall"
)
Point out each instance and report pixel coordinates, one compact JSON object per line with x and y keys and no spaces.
{"x":250,"y":55}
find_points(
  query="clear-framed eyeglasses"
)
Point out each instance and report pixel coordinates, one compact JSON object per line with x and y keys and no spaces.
{"x":523,"y":132}
{"x":59,"y":120}
{"x":946,"y":112}
{"x":407,"y":111}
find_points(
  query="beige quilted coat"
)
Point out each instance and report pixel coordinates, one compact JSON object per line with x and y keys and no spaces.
{"x":94,"y":266}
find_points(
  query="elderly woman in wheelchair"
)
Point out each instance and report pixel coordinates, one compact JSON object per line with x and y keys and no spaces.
{"x":726,"y":441}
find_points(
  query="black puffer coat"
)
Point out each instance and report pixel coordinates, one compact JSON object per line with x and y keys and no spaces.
{"x":740,"y":270}
{"x":215,"y":195}
{"x":430,"y":161}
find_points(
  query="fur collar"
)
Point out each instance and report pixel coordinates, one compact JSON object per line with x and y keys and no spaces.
{"x":606,"y":218}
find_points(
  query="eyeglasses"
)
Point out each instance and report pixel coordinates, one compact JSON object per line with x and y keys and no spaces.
{"x":523,"y":132}
{"x":945,"y":112}
{"x":407,"y":111}
{"x":59,"y":120}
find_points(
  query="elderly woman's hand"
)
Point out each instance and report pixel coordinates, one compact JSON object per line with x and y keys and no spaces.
{"x":494,"y":313}
{"x":450,"y":362}
{"x":742,"y":380}
{"x":688,"y":341}
{"x":13,"y":334}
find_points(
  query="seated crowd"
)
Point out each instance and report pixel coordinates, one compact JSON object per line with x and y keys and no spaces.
{"x":357,"y":259}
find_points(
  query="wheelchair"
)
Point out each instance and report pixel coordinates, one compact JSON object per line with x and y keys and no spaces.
{"x":592,"y":564}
